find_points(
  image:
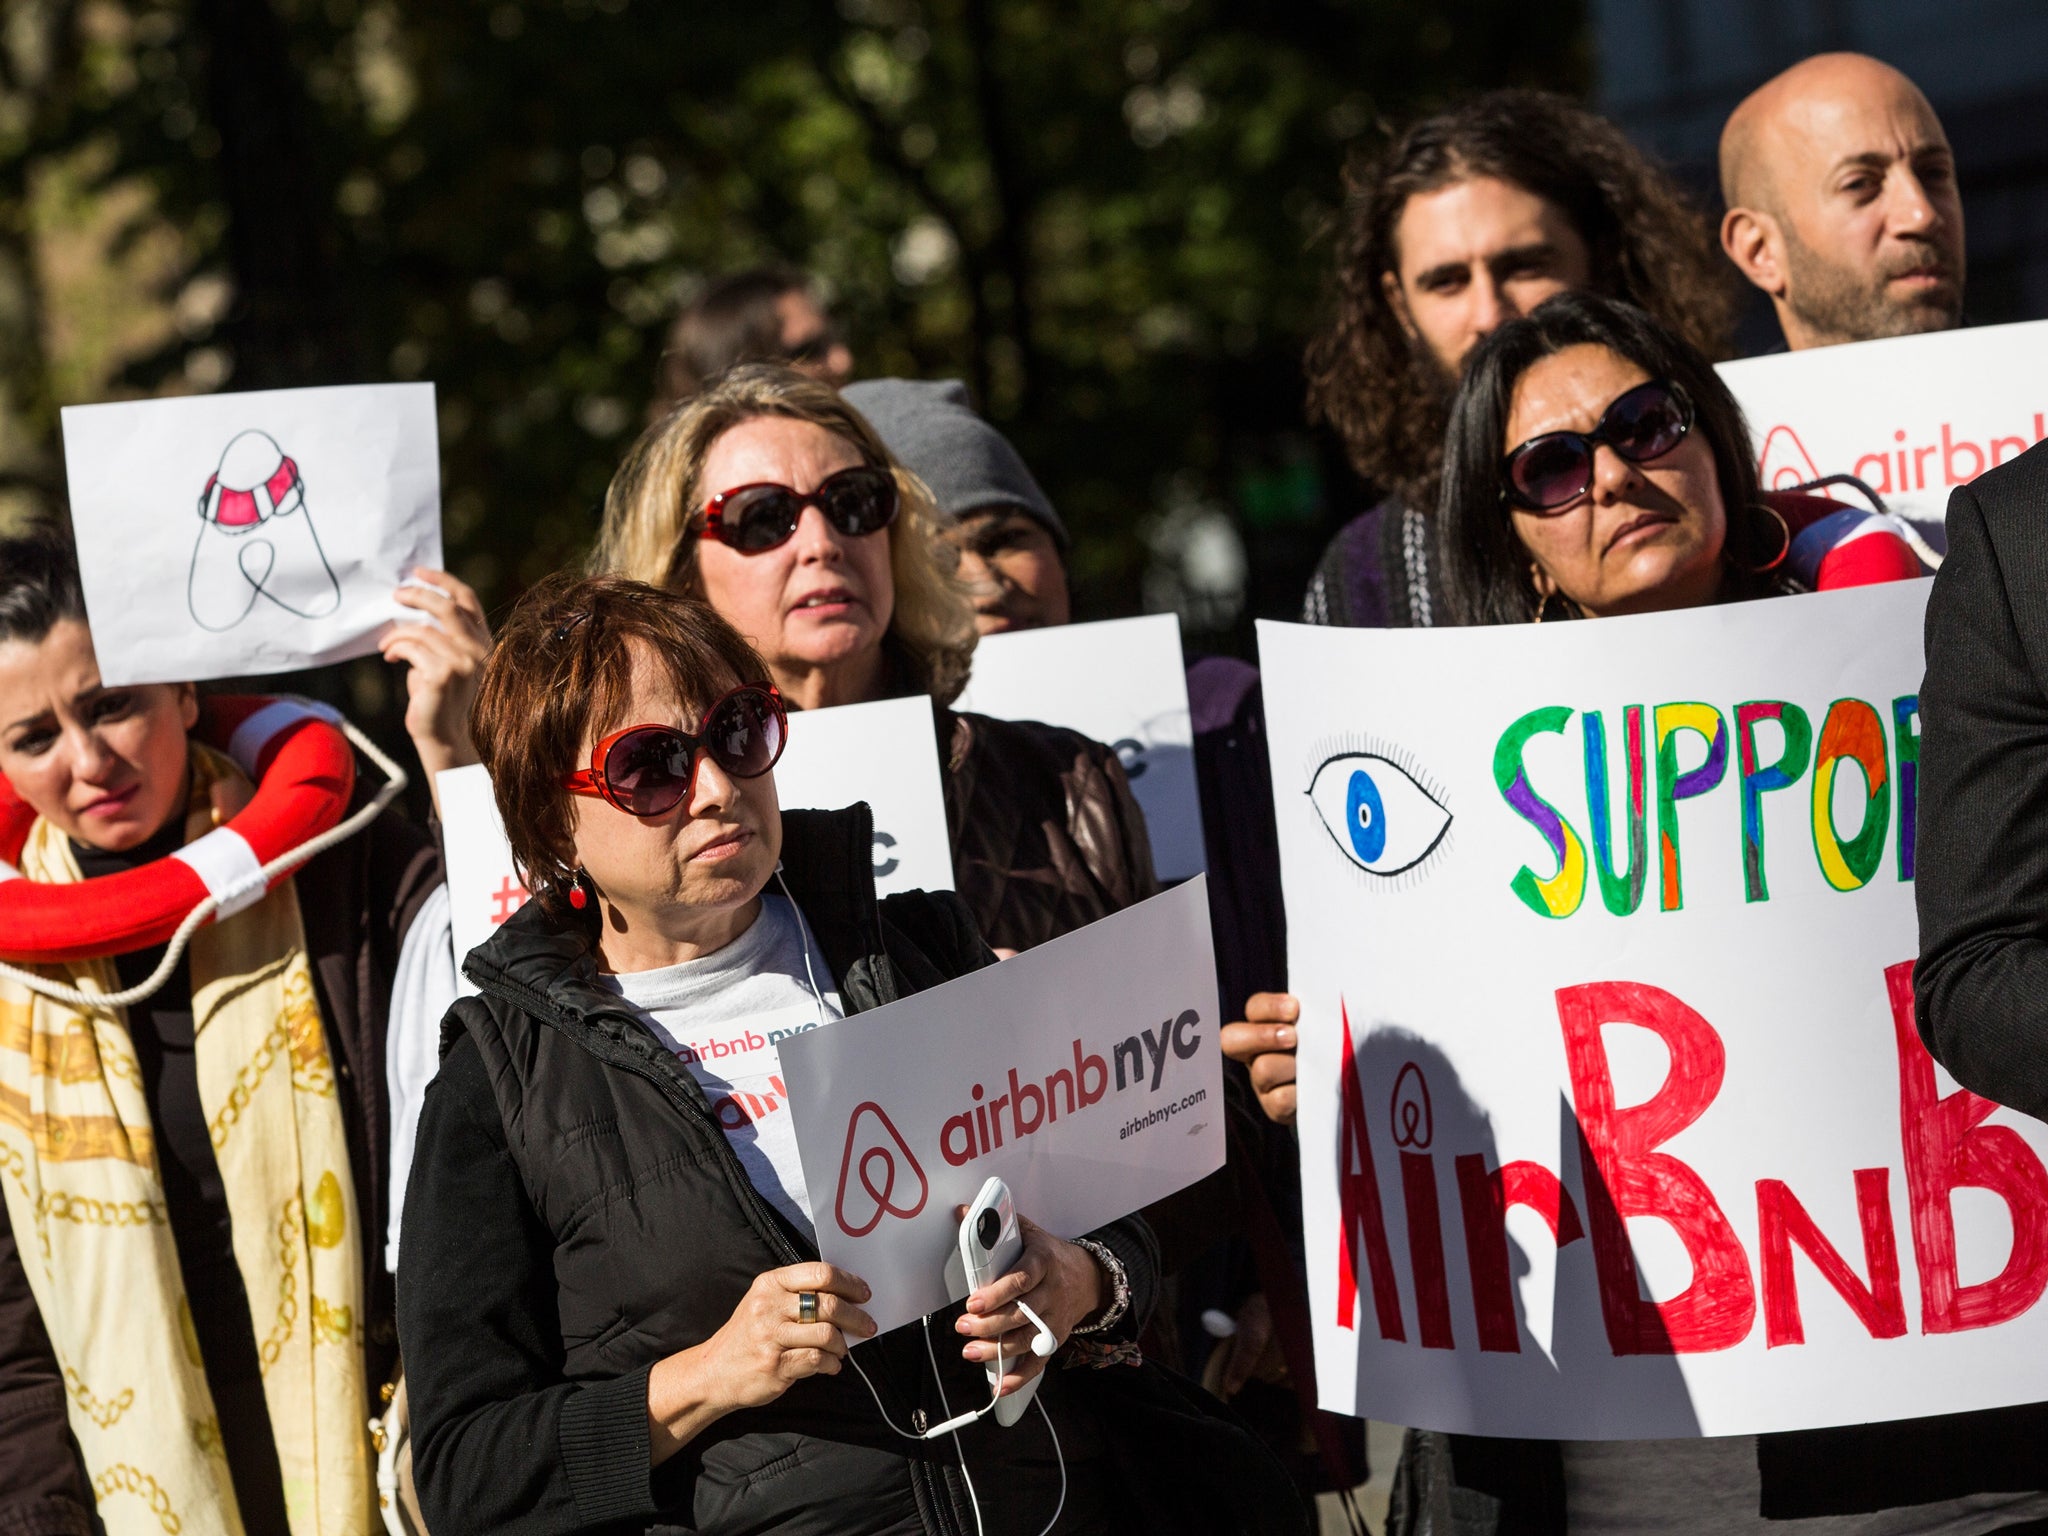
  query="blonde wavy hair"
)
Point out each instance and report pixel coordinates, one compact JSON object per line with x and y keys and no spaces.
{"x":650,"y":525}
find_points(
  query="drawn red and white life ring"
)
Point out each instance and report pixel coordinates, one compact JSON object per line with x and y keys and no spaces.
{"x":255,"y":482}
{"x":304,"y":770}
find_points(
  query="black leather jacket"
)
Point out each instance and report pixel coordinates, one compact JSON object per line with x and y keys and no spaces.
{"x":1046,"y":836}
{"x":575,"y":1215}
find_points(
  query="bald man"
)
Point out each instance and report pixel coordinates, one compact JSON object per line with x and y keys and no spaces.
{"x":1842,"y":203}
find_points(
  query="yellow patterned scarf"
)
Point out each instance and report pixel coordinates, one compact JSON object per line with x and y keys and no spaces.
{"x":78,"y":1164}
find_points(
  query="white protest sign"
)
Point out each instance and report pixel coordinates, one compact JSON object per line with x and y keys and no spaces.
{"x":224,"y":535}
{"x":1085,"y":1072}
{"x":1912,"y":416}
{"x":1614,"y":1121}
{"x":885,"y":754}
{"x":1123,"y":682}
{"x":484,"y":885}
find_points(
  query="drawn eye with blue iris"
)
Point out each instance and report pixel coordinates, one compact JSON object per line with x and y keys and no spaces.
{"x":1379,"y":815}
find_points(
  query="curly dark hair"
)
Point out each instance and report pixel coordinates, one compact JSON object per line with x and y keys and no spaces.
{"x":1385,"y":394}
{"x":1486,"y":566}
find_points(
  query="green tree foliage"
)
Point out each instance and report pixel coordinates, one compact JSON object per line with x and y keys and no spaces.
{"x":1100,"y":214}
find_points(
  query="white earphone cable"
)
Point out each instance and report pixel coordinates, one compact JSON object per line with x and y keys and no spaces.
{"x":952,"y":1425}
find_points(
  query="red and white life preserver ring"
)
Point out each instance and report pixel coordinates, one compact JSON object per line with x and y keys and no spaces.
{"x":256,"y":481}
{"x":305,"y":772}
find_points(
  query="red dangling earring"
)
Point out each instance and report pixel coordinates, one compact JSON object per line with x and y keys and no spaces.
{"x":577,"y":898}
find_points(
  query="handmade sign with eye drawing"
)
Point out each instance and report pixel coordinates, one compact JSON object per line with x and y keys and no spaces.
{"x":1615,"y":1121}
{"x":1383,"y":817}
{"x":256,"y":539}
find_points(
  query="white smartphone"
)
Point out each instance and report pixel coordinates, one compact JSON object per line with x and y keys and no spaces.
{"x":990,"y":1245}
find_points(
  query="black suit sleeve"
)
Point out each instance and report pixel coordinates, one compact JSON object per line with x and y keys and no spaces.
{"x":1981,"y":867}
{"x":503,"y":1441}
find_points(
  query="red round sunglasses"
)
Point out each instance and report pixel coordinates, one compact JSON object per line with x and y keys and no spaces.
{"x":754,"y":519}
{"x":648,"y":770}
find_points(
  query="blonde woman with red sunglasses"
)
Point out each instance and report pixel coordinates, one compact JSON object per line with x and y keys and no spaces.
{"x":774,"y":500}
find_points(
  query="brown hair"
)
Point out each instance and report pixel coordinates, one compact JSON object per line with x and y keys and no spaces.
{"x":738,"y":319}
{"x":650,"y":526}
{"x":1383,"y":392}
{"x":561,"y":676}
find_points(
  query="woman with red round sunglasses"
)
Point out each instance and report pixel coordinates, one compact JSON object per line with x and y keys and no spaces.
{"x":609,"y":1244}
{"x":772,"y":498}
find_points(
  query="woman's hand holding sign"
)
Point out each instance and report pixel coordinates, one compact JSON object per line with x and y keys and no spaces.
{"x":443,"y":653}
{"x":1263,"y":1042}
{"x":1058,"y":1280}
{"x":764,"y":1349}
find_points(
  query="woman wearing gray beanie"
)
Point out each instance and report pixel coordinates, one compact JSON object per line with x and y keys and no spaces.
{"x":1013,"y":546}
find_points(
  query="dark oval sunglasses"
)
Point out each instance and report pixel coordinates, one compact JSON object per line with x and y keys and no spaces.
{"x":756,"y":518}
{"x":1548,"y":474}
{"x":648,"y":770}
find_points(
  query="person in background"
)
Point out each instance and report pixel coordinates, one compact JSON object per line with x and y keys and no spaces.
{"x":209,"y":1335}
{"x":1468,"y":219}
{"x":1842,"y":203}
{"x":768,"y":314}
{"x":772,"y":498}
{"x":1596,"y":465}
{"x":1013,"y":546}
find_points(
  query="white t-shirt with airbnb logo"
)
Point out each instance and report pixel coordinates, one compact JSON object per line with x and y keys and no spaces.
{"x":724,"y":1016}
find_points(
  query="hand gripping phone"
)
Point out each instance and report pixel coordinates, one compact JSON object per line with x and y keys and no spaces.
{"x":990,"y":1245}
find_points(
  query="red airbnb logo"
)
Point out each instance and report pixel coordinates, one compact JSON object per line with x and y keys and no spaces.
{"x":1785,"y":462}
{"x":876,"y":1164}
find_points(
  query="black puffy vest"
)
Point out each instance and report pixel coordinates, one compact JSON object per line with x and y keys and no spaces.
{"x":658,"y":1231}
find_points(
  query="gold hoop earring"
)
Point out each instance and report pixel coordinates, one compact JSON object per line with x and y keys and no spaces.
{"x":1784,"y":549}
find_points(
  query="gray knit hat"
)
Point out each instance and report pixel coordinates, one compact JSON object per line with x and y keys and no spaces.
{"x":929,"y":425}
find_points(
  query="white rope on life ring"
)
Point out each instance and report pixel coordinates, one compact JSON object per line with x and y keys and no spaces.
{"x":230,"y":884}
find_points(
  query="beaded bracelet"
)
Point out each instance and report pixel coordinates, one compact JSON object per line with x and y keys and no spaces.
{"x":1119,"y":1283}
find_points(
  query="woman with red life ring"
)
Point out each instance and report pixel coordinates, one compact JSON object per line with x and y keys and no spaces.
{"x":194,"y":1303}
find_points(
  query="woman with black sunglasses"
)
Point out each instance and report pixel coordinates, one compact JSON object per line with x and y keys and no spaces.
{"x":1595,"y":466}
{"x":612,"y":1308}
{"x":774,"y":500}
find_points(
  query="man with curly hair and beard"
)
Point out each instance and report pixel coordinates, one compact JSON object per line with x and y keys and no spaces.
{"x":1468,"y":219}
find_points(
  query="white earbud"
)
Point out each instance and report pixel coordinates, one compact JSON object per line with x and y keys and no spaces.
{"x":1044,"y":1344}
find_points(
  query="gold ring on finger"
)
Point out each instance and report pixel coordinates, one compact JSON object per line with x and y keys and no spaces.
{"x":807,"y":1306}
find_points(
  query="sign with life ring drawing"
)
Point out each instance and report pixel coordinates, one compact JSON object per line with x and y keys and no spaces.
{"x":229,"y":535}
{"x":1614,"y":1120}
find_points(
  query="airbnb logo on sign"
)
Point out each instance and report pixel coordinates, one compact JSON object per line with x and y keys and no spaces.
{"x":876,"y":1163}
{"x":1785,"y":462}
